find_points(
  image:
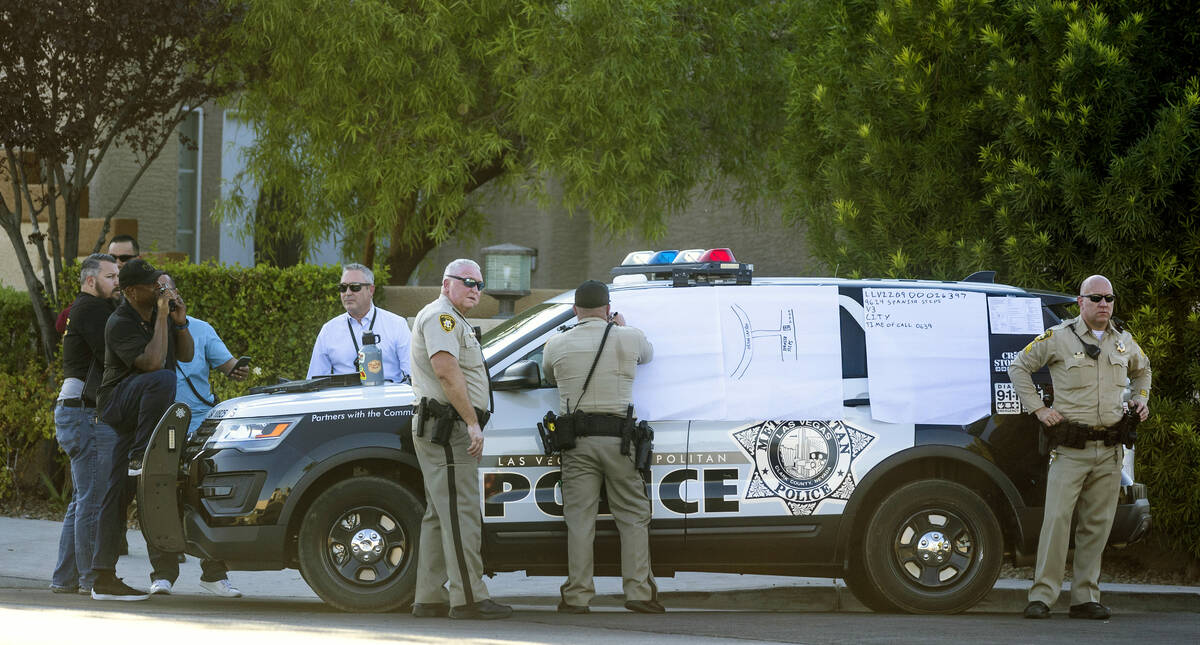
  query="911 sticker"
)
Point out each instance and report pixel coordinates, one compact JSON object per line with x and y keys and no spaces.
{"x":1007,"y":401}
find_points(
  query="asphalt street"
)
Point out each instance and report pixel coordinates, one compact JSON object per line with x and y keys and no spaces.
{"x":703,"y":608}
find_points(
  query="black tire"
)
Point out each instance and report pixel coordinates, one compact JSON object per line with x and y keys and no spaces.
{"x":358,"y":545}
{"x":931,"y":547}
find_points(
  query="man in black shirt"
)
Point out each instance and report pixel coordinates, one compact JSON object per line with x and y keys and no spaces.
{"x":142,"y":340}
{"x":86,"y":441}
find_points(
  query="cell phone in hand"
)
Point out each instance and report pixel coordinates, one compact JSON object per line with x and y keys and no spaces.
{"x":241,"y":362}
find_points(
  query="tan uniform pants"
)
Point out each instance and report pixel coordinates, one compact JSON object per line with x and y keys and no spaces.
{"x":450,"y":530}
{"x":596,"y":462}
{"x":1090,"y":476}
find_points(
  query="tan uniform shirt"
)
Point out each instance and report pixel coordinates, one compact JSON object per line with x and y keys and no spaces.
{"x":568,"y":357}
{"x":1086,"y":390}
{"x":439,"y":327}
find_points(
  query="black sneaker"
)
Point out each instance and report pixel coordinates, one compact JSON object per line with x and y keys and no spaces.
{"x":482,"y":610}
{"x":110,"y":587}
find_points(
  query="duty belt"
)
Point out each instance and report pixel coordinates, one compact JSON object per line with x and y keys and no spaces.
{"x":1090,"y":433}
{"x":599,"y":425}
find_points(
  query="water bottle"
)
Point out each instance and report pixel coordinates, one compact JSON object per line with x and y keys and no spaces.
{"x":370,"y":360}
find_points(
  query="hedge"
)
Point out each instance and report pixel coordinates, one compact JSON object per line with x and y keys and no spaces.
{"x":268,"y":313}
{"x":274,"y":314}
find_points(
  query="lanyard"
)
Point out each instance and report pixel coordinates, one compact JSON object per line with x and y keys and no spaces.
{"x":350,"y":329}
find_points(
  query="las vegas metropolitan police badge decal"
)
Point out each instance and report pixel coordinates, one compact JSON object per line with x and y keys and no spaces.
{"x":802,"y":462}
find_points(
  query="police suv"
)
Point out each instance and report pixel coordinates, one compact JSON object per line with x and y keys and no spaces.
{"x":861,"y":429}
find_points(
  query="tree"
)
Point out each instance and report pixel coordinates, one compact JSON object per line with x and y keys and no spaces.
{"x":384,"y":116}
{"x":80,"y":77}
{"x":1047,"y":140}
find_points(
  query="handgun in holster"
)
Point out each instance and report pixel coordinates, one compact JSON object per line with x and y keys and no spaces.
{"x":1125,"y":430}
{"x":444,"y":417}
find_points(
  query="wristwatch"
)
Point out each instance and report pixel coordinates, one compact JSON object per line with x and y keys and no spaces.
{"x":185,"y":324}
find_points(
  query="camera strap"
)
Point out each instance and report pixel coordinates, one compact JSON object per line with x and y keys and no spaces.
{"x":191,"y":387}
{"x":603,"y":339}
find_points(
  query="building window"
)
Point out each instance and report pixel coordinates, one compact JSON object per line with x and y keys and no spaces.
{"x":187,"y":206}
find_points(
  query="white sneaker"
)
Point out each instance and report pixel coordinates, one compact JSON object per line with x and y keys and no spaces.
{"x":160,"y":586}
{"x":222,"y":588}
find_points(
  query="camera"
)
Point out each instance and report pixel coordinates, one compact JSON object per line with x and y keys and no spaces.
{"x":171,"y":305}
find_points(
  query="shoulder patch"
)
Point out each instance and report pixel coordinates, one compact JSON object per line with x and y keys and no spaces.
{"x":447,"y":322}
{"x":1044,"y":335}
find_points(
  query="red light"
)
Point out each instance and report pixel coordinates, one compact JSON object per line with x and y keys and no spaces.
{"x":717,"y":255}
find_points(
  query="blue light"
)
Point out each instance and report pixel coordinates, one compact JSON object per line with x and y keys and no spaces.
{"x":663,"y":257}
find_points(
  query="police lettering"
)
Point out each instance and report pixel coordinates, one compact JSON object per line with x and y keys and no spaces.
{"x":718,"y":484}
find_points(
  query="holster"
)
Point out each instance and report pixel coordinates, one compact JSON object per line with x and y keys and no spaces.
{"x":558,"y":432}
{"x":443,"y":416}
{"x":1125,"y":430}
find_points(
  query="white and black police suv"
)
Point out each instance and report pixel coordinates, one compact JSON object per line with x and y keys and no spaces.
{"x":862,"y":429}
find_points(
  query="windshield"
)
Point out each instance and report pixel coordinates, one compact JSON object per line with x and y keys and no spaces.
{"x":527,"y":322}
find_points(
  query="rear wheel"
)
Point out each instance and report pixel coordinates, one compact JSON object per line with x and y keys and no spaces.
{"x":931,"y":546}
{"x":358,"y":545}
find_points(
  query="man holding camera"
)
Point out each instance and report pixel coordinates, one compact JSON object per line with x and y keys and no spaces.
{"x":142,"y":340}
{"x":450,"y":380}
{"x":193,"y":390}
{"x":1091,"y":361}
{"x":593,"y":365}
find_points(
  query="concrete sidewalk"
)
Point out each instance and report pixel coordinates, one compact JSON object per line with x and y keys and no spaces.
{"x":28,"y":549}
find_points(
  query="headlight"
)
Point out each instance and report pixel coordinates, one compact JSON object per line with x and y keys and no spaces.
{"x":252,"y":435}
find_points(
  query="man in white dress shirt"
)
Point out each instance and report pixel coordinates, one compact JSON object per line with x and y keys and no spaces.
{"x":336,"y":349}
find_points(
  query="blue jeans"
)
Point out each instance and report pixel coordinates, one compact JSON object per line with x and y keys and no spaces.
{"x":89,"y":444}
{"x":134,"y":408}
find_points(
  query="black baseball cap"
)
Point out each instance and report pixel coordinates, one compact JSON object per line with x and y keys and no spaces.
{"x":137,"y":272}
{"x":591,"y":294}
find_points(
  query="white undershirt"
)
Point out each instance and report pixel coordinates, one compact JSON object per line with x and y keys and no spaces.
{"x":1098,"y":333}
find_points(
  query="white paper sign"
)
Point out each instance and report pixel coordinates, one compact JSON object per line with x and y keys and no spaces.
{"x":738,"y":353}
{"x":927,"y":355}
{"x":1015,"y":315}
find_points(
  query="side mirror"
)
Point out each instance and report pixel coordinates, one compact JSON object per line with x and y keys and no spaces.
{"x":521,"y":375}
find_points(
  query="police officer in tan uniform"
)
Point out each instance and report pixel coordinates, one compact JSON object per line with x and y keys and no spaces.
{"x":1088,"y":392}
{"x":448,"y":370}
{"x":596,"y":459}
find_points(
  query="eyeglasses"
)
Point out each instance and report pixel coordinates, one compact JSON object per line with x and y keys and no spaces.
{"x":352,"y":286}
{"x":1095,"y":297}
{"x":470,"y":283}
{"x":126,"y":258}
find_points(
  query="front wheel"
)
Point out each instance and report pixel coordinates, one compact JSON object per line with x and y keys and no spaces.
{"x":932,"y":546}
{"x":358,"y":545}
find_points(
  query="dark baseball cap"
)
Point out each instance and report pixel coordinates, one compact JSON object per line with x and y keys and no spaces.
{"x":137,"y":272}
{"x":591,"y":294}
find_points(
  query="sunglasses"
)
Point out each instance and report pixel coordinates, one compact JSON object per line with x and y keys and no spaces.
{"x":470,"y":283}
{"x":126,"y":258}
{"x":354,"y":287}
{"x":1095,"y":297}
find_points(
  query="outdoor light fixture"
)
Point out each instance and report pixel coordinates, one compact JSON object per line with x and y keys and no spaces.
{"x":506,"y":272}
